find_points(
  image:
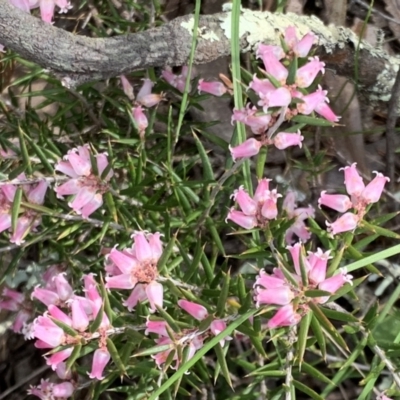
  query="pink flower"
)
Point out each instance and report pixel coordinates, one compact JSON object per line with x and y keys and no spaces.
{"x":127,"y":87}
{"x":249,"y":148}
{"x":335,"y":282}
{"x":137,"y":266}
{"x":140,"y":119}
{"x":214,"y":88}
{"x":86,"y":187}
{"x":338,"y":202}
{"x":316,"y":101}
{"x":306,"y":75}
{"x":273,"y":66}
{"x":285,"y":316}
{"x":47,"y":331}
{"x":195,"y":310}
{"x":347,"y":222}
{"x":47,"y":7}
{"x":277,"y":51}
{"x":47,"y":390}
{"x":280,"y":97}
{"x":300,"y":47}
{"x":258,"y":123}
{"x":255,"y":211}
{"x":360,"y":197}
{"x":283,"y":140}
{"x":100,"y":360}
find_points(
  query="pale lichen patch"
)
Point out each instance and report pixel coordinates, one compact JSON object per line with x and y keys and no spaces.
{"x":202,"y":32}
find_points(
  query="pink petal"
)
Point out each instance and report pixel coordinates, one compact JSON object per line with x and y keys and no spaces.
{"x":338,"y":202}
{"x":241,"y":219}
{"x":195,"y":310}
{"x":154,"y":291}
{"x":100,"y":360}
{"x":249,"y":148}
{"x":347,"y":222}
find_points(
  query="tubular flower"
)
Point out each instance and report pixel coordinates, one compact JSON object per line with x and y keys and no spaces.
{"x":360,"y":196}
{"x":136,"y":268}
{"x":256,"y":211}
{"x":86,"y":186}
{"x":288,"y":294}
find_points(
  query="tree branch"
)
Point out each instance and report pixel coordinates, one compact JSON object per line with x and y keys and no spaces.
{"x":77,"y":59}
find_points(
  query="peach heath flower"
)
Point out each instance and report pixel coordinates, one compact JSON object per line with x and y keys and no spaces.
{"x":288,"y":294}
{"x":360,"y":196}
{"x":256,"y":211}
{"x":300,"y":47}
{"x":214,"y":88}
{"x":86,"y":187}
{"x":54,"y":391}
{"x":136,"y":268}
{"x":251,"y":147}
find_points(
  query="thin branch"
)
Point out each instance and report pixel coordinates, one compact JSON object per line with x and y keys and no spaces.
{"x":77,"y":59}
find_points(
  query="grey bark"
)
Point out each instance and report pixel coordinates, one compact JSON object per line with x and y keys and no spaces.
{"x":77,"y":59}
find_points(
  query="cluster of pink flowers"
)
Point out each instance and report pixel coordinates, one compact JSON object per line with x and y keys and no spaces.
{"x":52,"y":391}
{"x":86,"y":186}
{"x":258,"y":210}
{"x":77,"y":312}
{"x":136,"y":268}
{"x":55,"y":391}
{"x":191,"y":338}
{"x":28,"y":219}
{"x":288,"y":292}
{"x":360,"y":197}
{"x":279,"y":96}
{"x":145,"y":98}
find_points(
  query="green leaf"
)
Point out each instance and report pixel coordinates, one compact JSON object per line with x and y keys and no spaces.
{"x":305,"y":389}
{"x":314,"y":372}
{"x":76,"y":353}
{"x":153,"y":350}
{"x":108,"y":197}
{"x":303,"y":335}
{"x":24,"y":152}
{"x":166,"y":254}
{"x":391,"y":251}
{"x":65,"y":327}
{"x":115,"y":356}
{"x":327,"y":325}
{"x":317,"y":293}
{"x":170,"y":321}
{"x":224,"y":296}
{"x":16,"y":206}
{"x":222,"y":365}
{"x":339,"y":316}
{"x":304,"y":119}
{"x":208,"y":173}
{"x":381,"y":231}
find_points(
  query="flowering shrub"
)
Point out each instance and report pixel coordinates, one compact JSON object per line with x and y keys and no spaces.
{"x":135,"y":274}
